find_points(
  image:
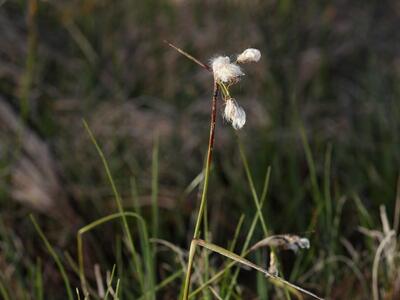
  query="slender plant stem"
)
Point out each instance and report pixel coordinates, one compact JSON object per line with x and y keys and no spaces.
{"x":118,"y":201}
{"x":184,"y":53}
{"x":252,"y":188}
{"x":56,"y":258}
{"x":101,"y":221}
{"x":203,"y":200}
{"x":154,"y":188}
{"x":209,"y":159}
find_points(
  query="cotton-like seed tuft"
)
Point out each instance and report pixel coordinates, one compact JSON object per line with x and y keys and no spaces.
{"x":301,"y":243}
{"x":304,"y":243}
{"x":224,"y":70}
{"x":284,"y":241}
{"x":234,"y":114}
{"x":249,"y":55}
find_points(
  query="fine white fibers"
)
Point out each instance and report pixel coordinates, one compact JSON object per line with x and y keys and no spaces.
{"x":249,"y":55}
{"x":301,"y":243}
{"x":304,"y":243}
{"x":234,"y":114}
{"x":224,"y":70}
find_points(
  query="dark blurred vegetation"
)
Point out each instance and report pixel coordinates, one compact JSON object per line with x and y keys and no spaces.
{"x":330,"y":69}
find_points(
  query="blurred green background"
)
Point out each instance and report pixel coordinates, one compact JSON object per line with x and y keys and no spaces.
{"x":322,"y":109}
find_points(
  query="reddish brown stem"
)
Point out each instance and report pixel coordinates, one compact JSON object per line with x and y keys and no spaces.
{"x":203,"y":200}
{"x":212,"y":123}
{"x":203,"y":65}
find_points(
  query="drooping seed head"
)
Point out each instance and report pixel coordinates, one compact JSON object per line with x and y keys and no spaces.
{"x":304,"y":243}
{"x":234,"y":114}
{"x":249,"y":55}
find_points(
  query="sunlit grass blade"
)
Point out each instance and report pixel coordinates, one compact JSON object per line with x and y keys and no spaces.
{"x":240,"y":259}
{"x":214,"y":292}
{"x":109,"y":283}
{"x":78,"y":294}
{"x":245,"y":247}
{"x":117,"y":287}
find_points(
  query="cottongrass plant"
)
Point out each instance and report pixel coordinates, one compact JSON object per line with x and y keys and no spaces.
{"x":226,"y":73}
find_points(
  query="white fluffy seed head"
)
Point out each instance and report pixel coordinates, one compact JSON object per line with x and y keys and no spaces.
{"x":224,"y":70}
{"x":304,"y":243}
{"x":301,"y":243}
{"x":234,"y":114}
{"x":230,"y":109}
{"x":249,"y":55}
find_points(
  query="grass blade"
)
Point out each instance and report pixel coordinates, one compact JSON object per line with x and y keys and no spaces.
{"x":38,"y":280}
{"x":101,"y":221}
{"x":119,"y":204}
{"x":240,"y":259}
{"x":154,"y":188}
{"x":3,"y":291}
{"x":252,"y":188}
{"x":55,"y":257}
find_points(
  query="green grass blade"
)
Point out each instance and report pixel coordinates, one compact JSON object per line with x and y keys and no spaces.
{"x":252,"y":188}
{"x":327,"y":187}
{"x":109,"y":283}
{"x":316,"y":195}
{"x":255,"y":196}
{"x":38,"y":280}
{"x":262,"y":290}
{"x":117,"y":289}
{"x":311,"y":166}
{"x":240,"y":259}
{"x":164,"y":283}
{"x":118,"y":202}
{"x":78,"y":295}
{"x":3,"y":291}
{"x":214,"y":292}
{"x":55,"y":257}
{"x":146,"y":247}
{"x":227,"y":278}
{"x":101,"y":221}
{"x":152,"y":262}
{"x":245,"y":247}
{"x":251,"y":230}
{"x":154,"y":188}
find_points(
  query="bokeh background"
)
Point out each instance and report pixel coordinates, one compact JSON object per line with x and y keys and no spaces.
{"x":322,"y":109}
